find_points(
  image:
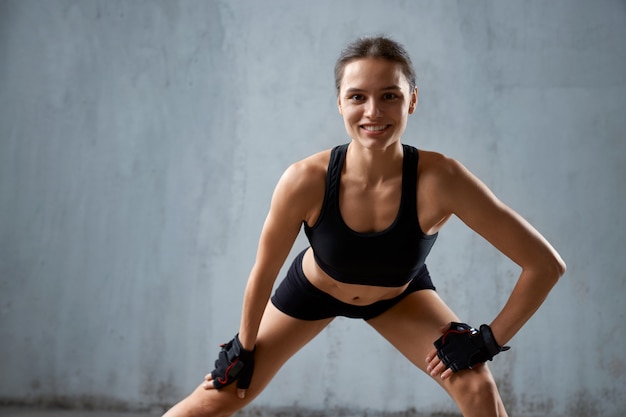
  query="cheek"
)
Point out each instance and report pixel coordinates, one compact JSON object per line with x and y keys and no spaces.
{"x":404,"y":108}
{"x":350,"y":113}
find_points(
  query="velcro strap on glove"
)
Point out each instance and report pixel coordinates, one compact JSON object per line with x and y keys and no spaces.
{"x":233,"y":363}
{"x":462,"y":346}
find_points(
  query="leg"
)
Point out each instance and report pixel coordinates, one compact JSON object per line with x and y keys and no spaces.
{"x":413,"y":325}
{"x":280,"y":337}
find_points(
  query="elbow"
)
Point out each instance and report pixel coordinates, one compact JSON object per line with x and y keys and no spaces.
{"x":547,"y":269}
{"x":562,"y":267}
{"x":555,"y":268}
{"x":559,"y":265}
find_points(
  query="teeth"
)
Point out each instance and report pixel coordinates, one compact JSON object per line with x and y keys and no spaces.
{"x":374,"y":128}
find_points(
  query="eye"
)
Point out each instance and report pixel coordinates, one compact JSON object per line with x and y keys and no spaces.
{"x":390,"y":96}
{"x":357,"y":97}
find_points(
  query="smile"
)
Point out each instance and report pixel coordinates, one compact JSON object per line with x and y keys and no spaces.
{"x":374,"y":128}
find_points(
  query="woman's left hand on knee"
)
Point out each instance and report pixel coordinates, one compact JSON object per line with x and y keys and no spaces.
{"x":435,"y":367}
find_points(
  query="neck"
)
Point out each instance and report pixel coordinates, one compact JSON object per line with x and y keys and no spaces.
{"x":374,"y":166}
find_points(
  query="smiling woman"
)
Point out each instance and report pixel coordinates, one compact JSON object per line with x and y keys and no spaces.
{"x":371,"y":210}
{"x":375,"y":100}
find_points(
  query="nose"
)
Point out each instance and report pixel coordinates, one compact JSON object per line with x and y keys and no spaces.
{"x":372,"y":109}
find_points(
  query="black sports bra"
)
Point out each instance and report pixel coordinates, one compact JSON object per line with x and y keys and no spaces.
{"x":389,"y":258}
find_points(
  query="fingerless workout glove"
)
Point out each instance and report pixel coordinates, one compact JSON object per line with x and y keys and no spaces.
{"x":233,"y":363}
{"x":462,"y":346}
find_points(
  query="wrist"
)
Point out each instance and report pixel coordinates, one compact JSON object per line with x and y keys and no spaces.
{"x":491,"y":344}
{"x":246,"y":348}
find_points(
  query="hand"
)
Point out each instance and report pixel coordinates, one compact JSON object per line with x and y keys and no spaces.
{"x":462,"y":347}
{"x":234,"y":363}
{"x":435,"y":367}
{"x":209,"y":385}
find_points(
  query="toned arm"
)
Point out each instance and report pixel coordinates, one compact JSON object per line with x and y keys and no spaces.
{"x":464,"y":195}
{"x":296,"y":197}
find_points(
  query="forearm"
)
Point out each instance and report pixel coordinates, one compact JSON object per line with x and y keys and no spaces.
{"x":529,"y":293}
{"x":256,"y":296}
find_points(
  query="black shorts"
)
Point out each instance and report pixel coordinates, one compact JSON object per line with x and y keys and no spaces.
{"x":298,"y":298}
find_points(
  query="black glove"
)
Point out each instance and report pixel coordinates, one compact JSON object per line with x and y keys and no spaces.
{"x":233,"y":363}
{"x":462,"y":346}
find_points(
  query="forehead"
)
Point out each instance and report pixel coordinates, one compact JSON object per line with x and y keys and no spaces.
{"x":373,"y":73}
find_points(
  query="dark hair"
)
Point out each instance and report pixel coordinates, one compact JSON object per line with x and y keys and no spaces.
{"x":375,"y":47}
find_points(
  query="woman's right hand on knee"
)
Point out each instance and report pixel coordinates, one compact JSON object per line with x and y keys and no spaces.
{"x":234,"y":363}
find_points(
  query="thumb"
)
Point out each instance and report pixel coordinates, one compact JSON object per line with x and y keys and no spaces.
{"x":241,"y":393}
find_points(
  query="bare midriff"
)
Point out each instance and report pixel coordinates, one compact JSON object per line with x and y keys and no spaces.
{"x":356,"y":294}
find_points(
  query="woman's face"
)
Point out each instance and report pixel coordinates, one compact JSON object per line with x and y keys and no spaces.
{"x":375,"y":100}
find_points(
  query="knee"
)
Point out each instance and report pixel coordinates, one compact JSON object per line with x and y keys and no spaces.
{"x":476,"y":392}
{"x":198,"y":410}
{"x":209,"y":410}
{"x":203,"y":403}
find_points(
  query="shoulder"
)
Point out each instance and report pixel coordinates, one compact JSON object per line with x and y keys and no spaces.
{"x":306,"y":173}
{"x":300,"y":189}
{"x":447,"y":181}
{"x":437,"y":166}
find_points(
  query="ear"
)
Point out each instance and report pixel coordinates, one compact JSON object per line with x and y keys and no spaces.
{"x":414,"y":100}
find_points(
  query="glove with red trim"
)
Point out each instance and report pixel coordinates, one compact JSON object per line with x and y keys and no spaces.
{"x":233,"y":363}
{"x":462,"y":346}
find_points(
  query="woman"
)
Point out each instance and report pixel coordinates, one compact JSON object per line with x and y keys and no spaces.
{"x":371,"y":210}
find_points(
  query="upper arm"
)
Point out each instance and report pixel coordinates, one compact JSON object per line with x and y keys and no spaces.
{"x":296,"y":195}
{"x":465,"y":196}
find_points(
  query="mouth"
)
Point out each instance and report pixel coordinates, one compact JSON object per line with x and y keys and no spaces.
{"x":375,"y":128}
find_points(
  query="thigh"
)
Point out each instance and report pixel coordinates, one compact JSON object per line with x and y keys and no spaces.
{"x":280,"y":337}
{"x":413,"y":325}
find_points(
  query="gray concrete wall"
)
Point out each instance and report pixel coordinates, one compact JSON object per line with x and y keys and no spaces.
{"x":140,"y":142}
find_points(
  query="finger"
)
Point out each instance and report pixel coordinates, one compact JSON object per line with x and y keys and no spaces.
{"x":431,"y":355}
{"x":433,"y":361}
{"x":432,"y":364}
{"x":447,"y":374}
{"x":241,"y":393}
{"x":438,"y":369}
{"x":207,"y":385}
{"x":208,"y":382}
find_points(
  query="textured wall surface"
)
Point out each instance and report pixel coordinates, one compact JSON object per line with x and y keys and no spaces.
{"x":140,"y":142}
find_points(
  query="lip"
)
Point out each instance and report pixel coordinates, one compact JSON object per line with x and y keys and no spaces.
{"x":374,"y":132}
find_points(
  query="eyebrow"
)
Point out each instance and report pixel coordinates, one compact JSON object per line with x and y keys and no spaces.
{"x":358,"y":90}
